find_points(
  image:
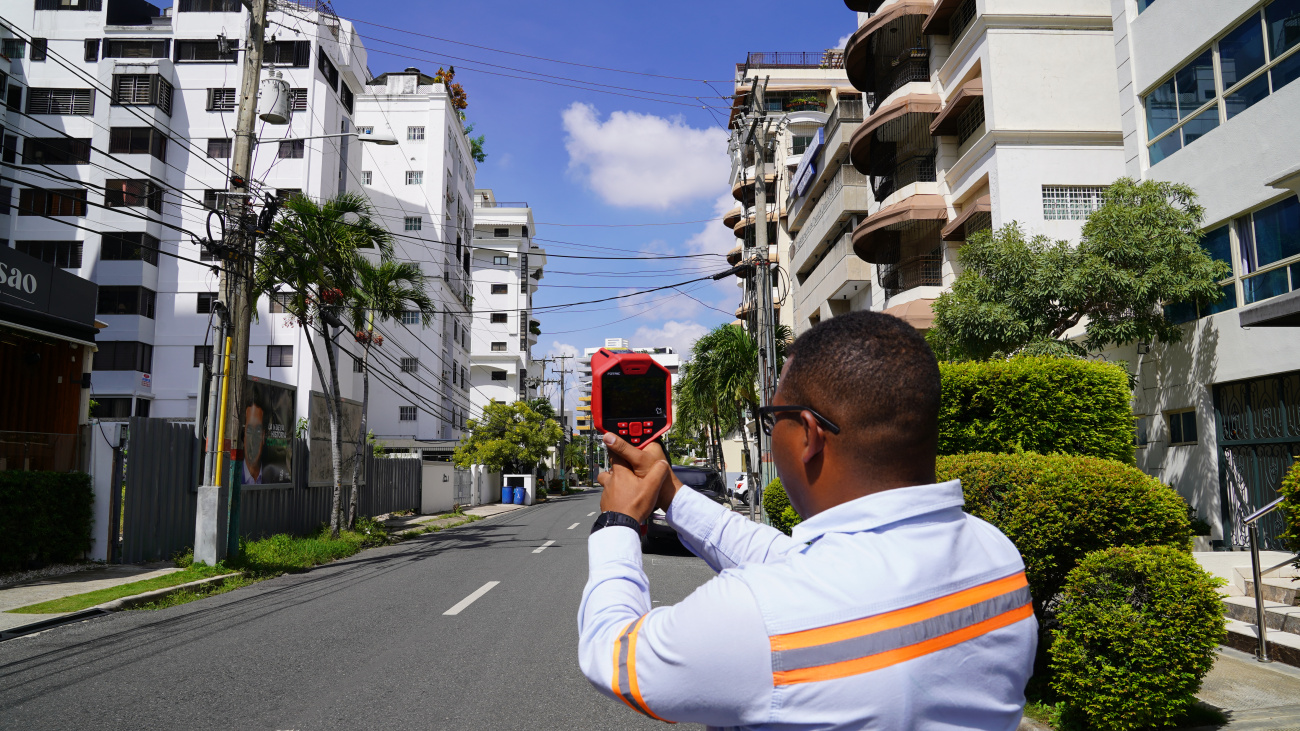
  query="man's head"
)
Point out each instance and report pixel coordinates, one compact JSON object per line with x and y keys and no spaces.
{"x":254,"y":437}
{"x":875,"y":378}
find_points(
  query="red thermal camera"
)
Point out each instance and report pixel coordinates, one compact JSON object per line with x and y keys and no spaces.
{"x":631,"y":395}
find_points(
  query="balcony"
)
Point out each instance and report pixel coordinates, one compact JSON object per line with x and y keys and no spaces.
{"x":848,"y":192}
{"x":832,"y":58}
{"x":732,"y":217}
{"x":895,"y":147}
{"x":743,"y":190}
{"x":745,"y":229}
{"x":899,"y":230}
{"x":480,"y":203}
{"x":924,"y":270}
{"x":890,"y":50}
{"x":832,"y":277}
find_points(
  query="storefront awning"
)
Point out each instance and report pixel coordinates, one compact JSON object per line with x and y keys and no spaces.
{"x":913,"y":208}
{"x":974,"y":217}
{"x":855,"y":51}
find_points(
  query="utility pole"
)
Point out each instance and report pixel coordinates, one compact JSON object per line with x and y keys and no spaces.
{"x":564,"y":430}
{"x":237,"y":275}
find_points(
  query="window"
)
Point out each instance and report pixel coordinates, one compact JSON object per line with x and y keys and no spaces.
{"x":498,"y":375}
{"x":498,"y":347}
{"x":280,"y":302}
{"x":358,"y":366}
{"x":285,"y":194}
{"x":138,"y":141}
{"x":367,"y":177}
{"x":365,"y":130}
{"x":297,"y":100}
{"x":51,"y":202}
{"x":500,"y":289}
{"x":1182,"y":427}
{"x":123,"y":355}
{"x":1144,"y":4}
{"x":214,"y":199}
{"x":205,"y":300}
{"x":6,"y":198}
{"x":411,"y":317}
{"x":142,"y":90}
{"x":799,"y":143}
{"x":129,"y":193}
{"x":415,"y":177}
{"x":406,"y":413}
{"x":126,"y":301}
{"x":1071,"y":202}
{"x":14,"y":97}
{"x":970,"y":120}
{"x":412,"y":223}
{"x":204,"y":52}
{"x":92,"y":50}
{"x":129,"y":247}
{"x":208,"y":6}
{"x":56,"y":151}
{"x":327,"y":69}
{"x":39,"y":48}
{"x":346,"y":97}
{"x":292,"y":149}
{"x":62,"y":254}
{"x":415,"y":133}
{"x":501,"y":261}
{"x":60,"y":101}
{"x":117,"y":407}
{"x":279,"y":356}
{"x":410,"y":365}
{"x":1140,"y":438}
{"x":288,"y":53}
{"x":202,"y":355}
{"x":500,"y":233}
{"x":10,"y":152}
{"x":1266,"y":237}
{"x":499,"y":318}
{"x":15,"y":48}
{"x":221,"y":100}
{"x":114,"y":48}
{"x":1252,"y":62}
{"x":220,"y":148}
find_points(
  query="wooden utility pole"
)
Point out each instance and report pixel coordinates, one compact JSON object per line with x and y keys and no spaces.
{"x":564,"y":431}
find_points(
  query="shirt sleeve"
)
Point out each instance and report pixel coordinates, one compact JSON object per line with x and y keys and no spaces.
{"x":723,"y":538}
{"x":705,"y":660}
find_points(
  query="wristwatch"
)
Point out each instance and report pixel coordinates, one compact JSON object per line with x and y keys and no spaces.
{"x":609,"y":517}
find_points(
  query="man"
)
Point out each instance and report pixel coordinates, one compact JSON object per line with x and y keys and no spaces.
{"x":254,"y":443}
{"x":889,"y":608}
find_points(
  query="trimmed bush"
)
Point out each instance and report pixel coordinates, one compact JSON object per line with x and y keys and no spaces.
{"x":1290,"y":508}
{"x":779,"y":510}
{"x":44,"y":516}
{"x":1036,"y":404}
{"x":1138,"y":628}
{"x":1057,"y":508}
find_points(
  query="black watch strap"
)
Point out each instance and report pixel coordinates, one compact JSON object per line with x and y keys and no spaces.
{"x":609,"y":517}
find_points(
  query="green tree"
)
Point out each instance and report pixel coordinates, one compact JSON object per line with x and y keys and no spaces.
{"x":384,"y":291}
{"x":511,"y":437}
{"x":542,"y":406}
{"x":475,"y":144}
{"x":311,"y":251}
{"x":1141,"y":250}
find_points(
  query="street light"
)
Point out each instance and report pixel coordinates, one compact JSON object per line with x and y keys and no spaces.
{"x":379,"y":138}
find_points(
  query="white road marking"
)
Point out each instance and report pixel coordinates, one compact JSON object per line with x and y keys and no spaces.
{"x":463,"y":603}
{"x":590,"y":514}
{"x":542,"y":547}
{"x":575,"y":525}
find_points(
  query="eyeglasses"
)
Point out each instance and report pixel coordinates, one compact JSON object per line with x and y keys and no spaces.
{"x":767,"y":417}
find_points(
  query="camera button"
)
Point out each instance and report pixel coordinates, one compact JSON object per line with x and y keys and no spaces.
{"x":636,"y":428}
{"x":622,"y":432}
{"x":650,"y":424}
{"x":635,"y":440}
{"x":622,"y":425}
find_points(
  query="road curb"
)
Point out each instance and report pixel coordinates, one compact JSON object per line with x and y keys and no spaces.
{"x":127,"y":602}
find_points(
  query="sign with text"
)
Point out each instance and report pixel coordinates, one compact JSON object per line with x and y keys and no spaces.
{"x":31,"y":284}
{"x":269,"y":421}
{"x":320,"y":472}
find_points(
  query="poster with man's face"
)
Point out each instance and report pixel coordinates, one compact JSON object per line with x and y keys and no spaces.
{"x":268,"y":433}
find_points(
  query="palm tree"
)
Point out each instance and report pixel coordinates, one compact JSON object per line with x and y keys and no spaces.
{"x":383,"y":291}
{"x":311,"y":250}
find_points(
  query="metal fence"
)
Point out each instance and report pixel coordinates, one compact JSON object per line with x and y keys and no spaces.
{"x":157,"y":501}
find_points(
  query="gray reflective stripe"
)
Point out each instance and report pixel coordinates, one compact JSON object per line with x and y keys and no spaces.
{"x":624,"y":683}
{"x":892,"y":639}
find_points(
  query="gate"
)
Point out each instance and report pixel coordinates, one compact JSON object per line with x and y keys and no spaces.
{"x":1258,"y":424}
{"x":463,"y":486}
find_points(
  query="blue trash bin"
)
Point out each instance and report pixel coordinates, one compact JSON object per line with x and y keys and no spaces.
{"x":507,"y":495}
{"x":520,"y":494}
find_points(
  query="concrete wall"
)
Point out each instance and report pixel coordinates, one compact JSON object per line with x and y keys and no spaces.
{"x":438,"y":487}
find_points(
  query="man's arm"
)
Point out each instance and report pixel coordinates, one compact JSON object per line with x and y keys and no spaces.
{"x":721,"y":537}
{"x":705,"y":660}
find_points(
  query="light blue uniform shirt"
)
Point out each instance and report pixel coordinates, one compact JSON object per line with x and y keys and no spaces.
{"x":893,"y":611}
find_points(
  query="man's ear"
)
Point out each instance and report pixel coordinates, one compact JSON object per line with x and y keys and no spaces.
{"x":814,"y":439}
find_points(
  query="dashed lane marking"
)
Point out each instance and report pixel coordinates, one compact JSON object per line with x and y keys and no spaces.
{"x":575,"y":525}
{"x":542,"y":547}
{"x":463,"y":603}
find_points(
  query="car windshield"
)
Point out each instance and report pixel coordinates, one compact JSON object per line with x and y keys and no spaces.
{"x":695,"y":478}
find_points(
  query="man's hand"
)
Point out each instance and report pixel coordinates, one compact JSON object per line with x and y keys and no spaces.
{"x":639,"y":481}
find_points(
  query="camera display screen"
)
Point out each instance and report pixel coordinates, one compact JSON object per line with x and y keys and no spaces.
{"x":633,"y":397}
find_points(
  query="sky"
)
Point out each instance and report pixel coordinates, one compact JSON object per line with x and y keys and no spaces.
{"x":606,"y":174}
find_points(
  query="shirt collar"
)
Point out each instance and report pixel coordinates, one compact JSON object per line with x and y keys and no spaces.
{"x":881,"y":508}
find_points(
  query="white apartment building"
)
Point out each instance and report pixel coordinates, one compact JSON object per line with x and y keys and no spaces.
{"x":1209,"y":97}
{"x":124,"y":114}
{"x":666,"y":357}
{"x":977,"y":113}
{"x":421,"y":188}
{"x":505,"y":267}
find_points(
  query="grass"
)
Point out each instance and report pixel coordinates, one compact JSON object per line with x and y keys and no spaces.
{"x":77,"y":602}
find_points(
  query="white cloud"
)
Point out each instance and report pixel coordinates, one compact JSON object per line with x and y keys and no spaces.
{"x":677,"y":335}
{"x":844,"y":40}
{"x":634,"y":160}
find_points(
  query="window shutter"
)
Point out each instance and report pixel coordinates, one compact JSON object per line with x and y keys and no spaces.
{"x":302,"y":54}
{"x":92,"y":50}
{"x":83,"y":101}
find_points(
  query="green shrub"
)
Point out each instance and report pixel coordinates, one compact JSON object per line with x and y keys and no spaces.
{"x":1138,"y":629}
{"x":373,"y":532}
{"x":1036,"y":404}
{"x":1290,"y":508}
{"x":779,"y":510}
{"x":1057,"y":508}
{"x":44,"y":516}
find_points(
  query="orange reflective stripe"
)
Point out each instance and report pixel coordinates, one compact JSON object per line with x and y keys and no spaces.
{"x":631,"y":673}
{"x":899,"y":617}
{"x":902,"y":654}
{"x":614,"y":667}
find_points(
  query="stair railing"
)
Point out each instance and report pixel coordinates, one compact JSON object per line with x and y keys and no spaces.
{"x":1261,"y":621}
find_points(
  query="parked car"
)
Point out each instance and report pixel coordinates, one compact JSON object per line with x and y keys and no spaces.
{"x":707,"y":482}
{"x":740,"y":491}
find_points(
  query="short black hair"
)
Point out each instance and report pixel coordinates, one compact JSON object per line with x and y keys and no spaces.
{"x":874,"y":376}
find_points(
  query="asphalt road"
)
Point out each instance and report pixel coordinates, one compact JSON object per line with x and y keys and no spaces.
{"x":360,"y":644}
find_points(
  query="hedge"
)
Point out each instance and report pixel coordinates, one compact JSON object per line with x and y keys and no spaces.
{"x":1137,"y":633}
{"x":1036,"y":404}
{"x":44,"y":516}
{"x":779,"y":510}
{"x":1058,"y":508}
{"x":1290,"y":508}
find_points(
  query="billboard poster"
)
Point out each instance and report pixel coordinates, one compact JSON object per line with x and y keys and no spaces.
{"x":268,"y":433}
{"x":320,"y":472}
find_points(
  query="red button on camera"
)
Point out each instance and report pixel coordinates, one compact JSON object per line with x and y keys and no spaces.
{"x":622,"y":425}
{"x":650,"y":424}
{"x":636,"y":428}
{"x":635,"y":440}
{"x":622,"y":432}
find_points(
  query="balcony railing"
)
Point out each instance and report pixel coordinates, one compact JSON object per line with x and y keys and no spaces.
{"x":828,"y":59}
{"x":500,"y":204}
{"x":925,"y":270}
{"x":912,"y":65}
{"x":847,"y":110}
{"x":898,"y":174}
{"x":847,"y":175}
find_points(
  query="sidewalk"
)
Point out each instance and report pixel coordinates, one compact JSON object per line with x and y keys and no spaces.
{"x":1254,"y":696}
{"x":80,"y":582}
